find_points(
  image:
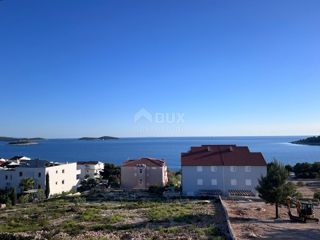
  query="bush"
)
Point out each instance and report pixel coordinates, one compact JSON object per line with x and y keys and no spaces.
{"x":24,"y":198}
{"x":316,"y":195}
{"x":300,"y":184}
{"x":307,"y":170}
{"x":5,"y":196}
{"x":87,"y":184}
{"x":156,"y":190}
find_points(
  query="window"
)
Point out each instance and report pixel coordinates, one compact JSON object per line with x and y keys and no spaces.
{"x":56,"y":171}
{"x":214,"y":182}
{"x":213,"y":168}
{"x":248,"y":182}
{"x":200,"y":182}
{"x":199,"y":169}
{"x":140,"y":181}
{"x":56,"y":183}
{"x":247,"y":169}
{"x":39,"y":174}
{"x":140,"y":170}
{"x":234,"y":182}
{"x":233,"y":169}
{"x":62,"y":170}
{"x":6,"y":177}
{"x":62,"y":181}
{"x":20,"y":174}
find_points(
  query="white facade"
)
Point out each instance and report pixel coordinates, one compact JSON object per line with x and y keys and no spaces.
{"x":90,"y":169}
{"x":62,"y":177}
{"x":222,"y":178}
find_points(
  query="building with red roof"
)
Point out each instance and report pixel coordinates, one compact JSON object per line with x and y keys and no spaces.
{"x":143,"y":173}
{"x":221,"y":169}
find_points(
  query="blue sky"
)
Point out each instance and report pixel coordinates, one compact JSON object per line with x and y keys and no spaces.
{"x":85,"y":68}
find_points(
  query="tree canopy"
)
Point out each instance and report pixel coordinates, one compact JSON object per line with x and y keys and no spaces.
{"x":27,"y":184}
{"x":112,"y":173}
{"x":273,"y":188}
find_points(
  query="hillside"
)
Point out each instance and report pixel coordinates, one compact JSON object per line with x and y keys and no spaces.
{"x":309,"y":141}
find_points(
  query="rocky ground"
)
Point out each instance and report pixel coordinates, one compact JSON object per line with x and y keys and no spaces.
{"x":78,"y":219}
{"x":255,"y":219}
{"x":251,"y":219}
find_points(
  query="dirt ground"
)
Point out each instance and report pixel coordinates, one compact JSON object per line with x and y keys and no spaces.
{"x":310,"y":187}
{"x":253,"y":219}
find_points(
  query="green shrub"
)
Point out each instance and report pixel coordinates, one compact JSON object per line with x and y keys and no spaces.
{"x":300,"y":184}
{"x":316,"y":195}
{"x":25,"y":198}
{"x":71,"y":227}
{"x":156,"y":189}
{"x":90,"y":214}
{"x":114,"y":219}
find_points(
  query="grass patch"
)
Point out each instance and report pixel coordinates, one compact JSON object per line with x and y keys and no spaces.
{"x":71,"y":227}
{"x":90,"y":215}
{"x":19,"y":225}
{"x":174,"y":211}
{"x":114,"y":219}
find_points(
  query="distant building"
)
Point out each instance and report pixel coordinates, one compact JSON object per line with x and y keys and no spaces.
{"x":143,"y":173}
{"x":221,"y":169}
{"x":2,"y":161}
{"x":18,"y":159}
{"x":91,"y":169}
{"x":62,"y":176}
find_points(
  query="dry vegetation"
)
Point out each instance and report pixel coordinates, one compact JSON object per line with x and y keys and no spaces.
{"x":75,"y":218}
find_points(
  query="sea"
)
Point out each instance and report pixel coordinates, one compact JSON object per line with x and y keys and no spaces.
{"x":168,"y":148}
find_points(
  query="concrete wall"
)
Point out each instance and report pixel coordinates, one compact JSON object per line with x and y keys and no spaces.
{"x":133,"y":178}
{"x":196,"y":178}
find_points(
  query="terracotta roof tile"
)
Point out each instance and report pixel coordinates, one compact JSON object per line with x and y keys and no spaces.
{"x":150,"y":162}
{"x":219,"y":155}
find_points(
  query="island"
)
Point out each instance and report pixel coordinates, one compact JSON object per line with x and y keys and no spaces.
{"x":99,"y":138}
{"x":12,"y":139}
{"x":23,"y":142}
{"x":315,"y":141}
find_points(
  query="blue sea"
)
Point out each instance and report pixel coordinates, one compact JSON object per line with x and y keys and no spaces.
{"x":117,"y":151}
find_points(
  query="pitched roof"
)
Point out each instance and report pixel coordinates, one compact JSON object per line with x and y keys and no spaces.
{"x":150,"y":162}
{"x":222,"y":155}
{"x":16,"y":157}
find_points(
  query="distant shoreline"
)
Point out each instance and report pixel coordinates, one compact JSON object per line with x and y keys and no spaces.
{"x":23,"y":144}
{"x":311,"y":141}
{"x":104,"y":138}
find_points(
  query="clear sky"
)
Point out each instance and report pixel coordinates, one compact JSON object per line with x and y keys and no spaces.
{"x":85,"y":68}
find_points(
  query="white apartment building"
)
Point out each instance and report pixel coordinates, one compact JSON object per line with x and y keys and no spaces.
{"x":63,"y":177}
{"x":92,"y":169}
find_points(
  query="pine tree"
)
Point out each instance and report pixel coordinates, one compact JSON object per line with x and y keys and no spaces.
{"x":274,"y":188}
{"x":47,"y":192}
{"x":13,"y":197}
